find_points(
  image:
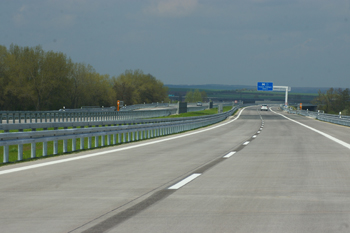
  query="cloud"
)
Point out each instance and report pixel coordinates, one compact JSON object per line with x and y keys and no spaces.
{"x":172,"y":8}
{"x":19,"y":17}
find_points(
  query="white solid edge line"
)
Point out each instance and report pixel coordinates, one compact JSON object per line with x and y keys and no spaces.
{"x":185,"y":181}
{"x":229,"y":154}
{"x":317,"y":131}
{"x":11,"y":170}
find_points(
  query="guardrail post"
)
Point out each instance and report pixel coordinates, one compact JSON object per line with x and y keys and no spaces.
{"x":114,"y":139}
{"x":119,"y":138}
{"x":33,"y":150}
{"x":103,"y":140}
{"x":65,"y":146}
{"x":74,"y":144}
{"x":44,"y":148}
{"x":108,"y":139}
{"x":55,"y":147}
{"x":20,"y":152}
{"x":81,"y":147}
{"x":96,"y":141}
{"x":89,"y":142}
{"x":6,"y":154}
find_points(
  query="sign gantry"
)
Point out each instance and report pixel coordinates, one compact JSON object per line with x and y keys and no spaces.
{"x":268,"y":86}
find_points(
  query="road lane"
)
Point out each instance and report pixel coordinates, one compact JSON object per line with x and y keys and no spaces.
{"x":79,"y":194}
{"x":288,"y":179}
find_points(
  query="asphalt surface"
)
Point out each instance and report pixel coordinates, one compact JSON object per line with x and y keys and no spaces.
{"x":292,"y":176}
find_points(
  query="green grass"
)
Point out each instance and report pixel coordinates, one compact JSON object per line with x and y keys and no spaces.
{"x":199,"y":113}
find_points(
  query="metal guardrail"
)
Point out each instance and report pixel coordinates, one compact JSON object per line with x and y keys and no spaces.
{"x":120,"y":134}
{"x":332,"y":118}
{"x":76,"y":115}
{"x":13,"y":117}
{"x":80,"y":124}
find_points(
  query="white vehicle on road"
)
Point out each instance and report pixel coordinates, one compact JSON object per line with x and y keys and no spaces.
{"x":264,"y":107}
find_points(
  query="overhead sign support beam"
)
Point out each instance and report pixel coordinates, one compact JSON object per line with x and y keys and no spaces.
{"x":268,"y":86}
{"x":283,"y":88}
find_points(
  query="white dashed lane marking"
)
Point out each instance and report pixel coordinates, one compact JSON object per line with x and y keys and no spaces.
{"x":185,"y":181}
{"x":230,"y":154}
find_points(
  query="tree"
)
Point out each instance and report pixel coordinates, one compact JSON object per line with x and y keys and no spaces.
{"x":189,"y":97}
{"x":342,"y":100}
{"x":32,"y":79}
{"x":135,"y":87}
{"x":204,"y":95}
{"x":3,"y":78}
{"x":197,"y":96}
{"x":333,"y":101}
{"x":88,"y":88}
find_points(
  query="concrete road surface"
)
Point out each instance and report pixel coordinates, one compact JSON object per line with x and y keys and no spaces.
{"x":261,"y":172}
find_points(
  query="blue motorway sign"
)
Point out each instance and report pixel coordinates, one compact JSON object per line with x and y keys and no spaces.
{"x":265,"y":86}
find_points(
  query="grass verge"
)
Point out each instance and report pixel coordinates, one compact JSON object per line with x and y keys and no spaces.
{"x":199,"y":113}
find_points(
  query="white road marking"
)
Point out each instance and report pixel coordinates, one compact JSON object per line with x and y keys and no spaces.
{"x":258,"y":131}
{"x":254,"y":136}
{"x":246,"y":143}
{"x":185,"y":181}
{"x":11,"y":170}
{"x":230,"y":154}
{"x":347,"y":145}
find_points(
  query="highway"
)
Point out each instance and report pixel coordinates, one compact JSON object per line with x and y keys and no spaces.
{"x":255,"y":172}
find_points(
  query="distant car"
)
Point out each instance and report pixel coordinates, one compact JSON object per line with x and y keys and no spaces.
{"x":199,"y":103}
{"x":264,"y":107}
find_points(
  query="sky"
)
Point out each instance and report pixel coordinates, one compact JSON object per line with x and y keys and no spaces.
{"x":300,"y":43}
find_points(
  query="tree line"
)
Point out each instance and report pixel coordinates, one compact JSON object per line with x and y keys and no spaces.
{"x":195,"y":96}
{"x":334,"y":101}
{"x":34,"y":79}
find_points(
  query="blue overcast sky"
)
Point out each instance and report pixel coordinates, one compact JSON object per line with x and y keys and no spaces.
{"x":300,"y":43}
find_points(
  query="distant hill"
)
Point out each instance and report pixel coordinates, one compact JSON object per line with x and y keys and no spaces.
{"x":311,"y":90}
